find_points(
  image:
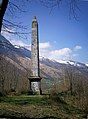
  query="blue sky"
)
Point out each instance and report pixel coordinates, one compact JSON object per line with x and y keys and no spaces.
{"x":60,"y":38}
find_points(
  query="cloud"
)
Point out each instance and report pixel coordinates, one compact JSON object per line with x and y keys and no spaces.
{"x":44,"y":49}
{"x":44,"y":45}
{"x":64,"y":51}
{"x":18,"y":42}
{"x":7,"y":32}
{"x":61,"y":54}
{"x":77,"y":47}
{"x":7,"y":35}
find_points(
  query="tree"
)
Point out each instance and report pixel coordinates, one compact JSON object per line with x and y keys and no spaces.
{"x":78,"y":85}
{"x":3,"y":6}
{"x":3,"y":73}
{"x":51,"y":4}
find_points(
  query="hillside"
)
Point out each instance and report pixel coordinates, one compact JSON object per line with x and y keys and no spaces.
{"x":64,"y":86}
{"x":15,"y":65}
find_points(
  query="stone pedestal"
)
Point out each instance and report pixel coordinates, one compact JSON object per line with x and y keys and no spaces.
{"x":35,"y":85}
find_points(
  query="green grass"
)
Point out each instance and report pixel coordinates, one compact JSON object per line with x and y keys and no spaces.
{"x":23,"y":100}
{"x":38,"y":106}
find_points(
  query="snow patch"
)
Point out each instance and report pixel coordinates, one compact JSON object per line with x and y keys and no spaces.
{"x":86,"y":64}
{"x":62,"y":61}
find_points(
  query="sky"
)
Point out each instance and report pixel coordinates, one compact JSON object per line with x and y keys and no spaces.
{"x":60,"y":37}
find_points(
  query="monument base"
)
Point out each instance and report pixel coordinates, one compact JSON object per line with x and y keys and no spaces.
{"x":35,"y":85}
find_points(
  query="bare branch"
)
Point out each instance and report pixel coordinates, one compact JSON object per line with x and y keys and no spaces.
{"x":50,"y":4}
{"x":14,"y":6}
{"x":73,"y":9}
{"x":12,"y":24}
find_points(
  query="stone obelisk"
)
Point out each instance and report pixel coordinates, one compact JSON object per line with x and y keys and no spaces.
{"x":35,"y":79}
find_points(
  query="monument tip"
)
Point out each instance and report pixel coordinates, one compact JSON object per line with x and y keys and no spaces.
{"x":34,"y":18}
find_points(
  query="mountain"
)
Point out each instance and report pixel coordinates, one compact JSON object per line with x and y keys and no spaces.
{"x":61,"y":62}
{"x":16,"y":65}
{"x":7,"y":48}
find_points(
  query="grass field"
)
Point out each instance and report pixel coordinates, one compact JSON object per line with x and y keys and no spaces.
{"x":38,"y":106}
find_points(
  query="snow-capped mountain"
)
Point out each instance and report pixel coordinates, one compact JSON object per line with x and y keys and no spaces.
{"x":19,"y":57}
{"x":62,"y":62}
{"x":7,"y":48}
{"x":86,"y":64}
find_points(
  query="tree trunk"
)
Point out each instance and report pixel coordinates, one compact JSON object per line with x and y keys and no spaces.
{"x":3,"y":7}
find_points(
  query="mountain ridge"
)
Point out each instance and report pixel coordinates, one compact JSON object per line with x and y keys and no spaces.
{"x":27,"y":53}
{"x":50,"y":70}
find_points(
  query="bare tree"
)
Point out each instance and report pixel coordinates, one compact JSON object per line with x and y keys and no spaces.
{"x":14,"y":80}
{"x":3,"y":73}
{"x":51,"y":4}
{"x":78,"y":85}
{"x":3,"y":6}
{"x":69,"y":75}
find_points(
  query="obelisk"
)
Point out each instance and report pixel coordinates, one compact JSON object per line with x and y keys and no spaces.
{"x":35,"y":79}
